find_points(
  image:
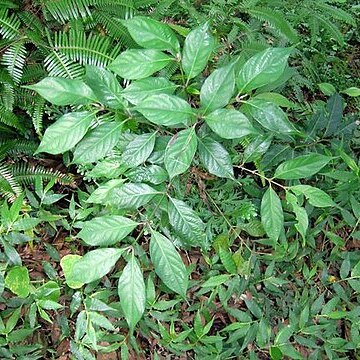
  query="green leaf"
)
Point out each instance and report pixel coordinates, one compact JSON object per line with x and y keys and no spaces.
{"x":217,"y":89}
{"x":18,"y":281}
{"x":272,"y":216}
{"x":138,"y":63}
{"x":106,"y":230}
{"x":97,"y":143}
{"x":316,"y":197}
{"x":270,"y":116}
{"x":105,"y":86}
{"x":66,"y":132}
{"x":352,"y":91}
{"x":216,"y":280}
{"x":215,"y":158}
{"x":198,"y":46}
{"x":302,"y":166}
{"x":262,"y":69}
{"x":131,"y":290}
{"x":230,"y":124}
{"x":132,"y":195}
{"x":164,"y":109}
{"x":60,"y":91}
{"x":168,"y":264}
{"x":94,"y":265}
{"x":152,"y":34}
{"x":139,"y":90}
{"x":300,"y":213}
{"x":103,"y":192}
{"x":327,"y":89}
{"x":187,"y":222}
{"x":67,"y":265}
{"x":139,"y":149}
{"x":180,"y":151}
{"x":256,"y":148}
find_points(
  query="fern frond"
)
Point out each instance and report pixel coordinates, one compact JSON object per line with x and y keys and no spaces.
{"x":8,"y":118}
{"x":37,"y":114}
{"x":8,"y":4}
{"x":31,"y":21}
{"x":9,"y":25}
{"x":335,"y":12}
{"x":58,"y":65}
{"x":13,"y":147}
{"x":331,"y":29}
{"x":32,"y":73}
{"x":14,"y":59}
{"x":7,"y":96}
{"x":9,"y":186}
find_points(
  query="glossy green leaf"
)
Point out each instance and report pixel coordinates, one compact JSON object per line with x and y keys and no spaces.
{"x":215,"y":158}
{"x":61,"y":91}
{"x":327,"y":89}
{"x":256,"y":148}
{"x":97,"y":143}
{"x":94,"y":265}
{"x":131,"y":290}
{"x":164,"y":109}
{"x":262,"y":69}
{"x":103,"y":192}
{"x":67,"y":264}
{"x":316,"y":197}
{"x":198,"y":46}
{"x":230,"y":124}
{"x":138,"y":150}
{"x":106,"y":230}
{"x":301,"y":215}
{"x":180,"y":151}
{"x":139,"y":90}
{"x":139,"y":63}
{"x":66,"y":132}
{"x":216,"y":280}
{"x":187,"y":222}
{"x":270,"y":116}
{"x":352,"y":91}
{"x":154,"y":174}
{"x":168,"y":263}
{"x":272,"y":216}
{"x":152,"y":34}
{"x":105,"y":86}
{"x":18,"y":281}
{"x":302,"y":166}
{"x":217,"y":89}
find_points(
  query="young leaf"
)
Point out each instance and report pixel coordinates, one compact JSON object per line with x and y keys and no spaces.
{"x":18,"y":281}
{"x":67,"y":265}
{"x":138,"y":90}
{"x":198,"y":46}
{"x":106,"y":230}
{"x":138,"y":150}
{"x":316,"y":197}
{"x":300,"y":213}
{"x":105,"y":86}
{"x":168,"y":264}
{"x":262,"y":69}
{"x":186,"y":221}
{"x":131,"y":290}
{"x":94,"y":265}
{"x":97,"y":143}
{"x":66,"y":132}
{"x":215,"y":158}
{"x":139,"y":63}
{"x":230,"y":124}
{"x":180,"y":152}
{"x":217,"y":89}
{"x":60,"y":91}
{"x":152,"y":34}
{"x":164,"y":109}
{"x":302,"y":166}
{"x":272,"y":216}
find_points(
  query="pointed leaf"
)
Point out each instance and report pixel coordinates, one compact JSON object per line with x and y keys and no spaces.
{"x":316,"y":197}
{"x":18,"y":281}
{"x":67,"y":264}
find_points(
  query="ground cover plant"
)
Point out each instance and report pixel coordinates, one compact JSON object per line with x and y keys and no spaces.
{"x":180,"y":202}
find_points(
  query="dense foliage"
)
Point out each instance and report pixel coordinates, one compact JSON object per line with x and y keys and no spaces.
{"x":179,"y":179}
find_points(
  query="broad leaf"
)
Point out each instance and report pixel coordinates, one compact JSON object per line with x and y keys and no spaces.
{"x":67,"y":264}
{"x":97,"y":143}
{"x":138,"y":90}
{"x":198,"y":46}
{"x":186,"y":221}
{"x":272,"y":216}
{"x":138,"y":150}
{"x":218,"y":89}
{"x":106,"y":230}
{"x":66,"y":132}
{"x":316,"y":197}
{"x":104,"y":191}
{"x":215,"y":158}
{"x":302,"y":166}
{"x":180,"y":152}
{"x":262,"y":69}
{"x":152,"y":34}
{"x":139,"y":63}
{"x":168,"y":264}
{"x":94,"y":265}
{"x":164,"y":109}
{"x":270,"y":116}
{"x":230,"y":124}
{"x":256,"y":148}
{"x":151,"y":173}
{"x":105,"y":86}
{"x":131,"y":290}
{"x":18,"y":281}
{"x":133,"y":195}
{"x":60,"y":91}
{"x":300,"y":213}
